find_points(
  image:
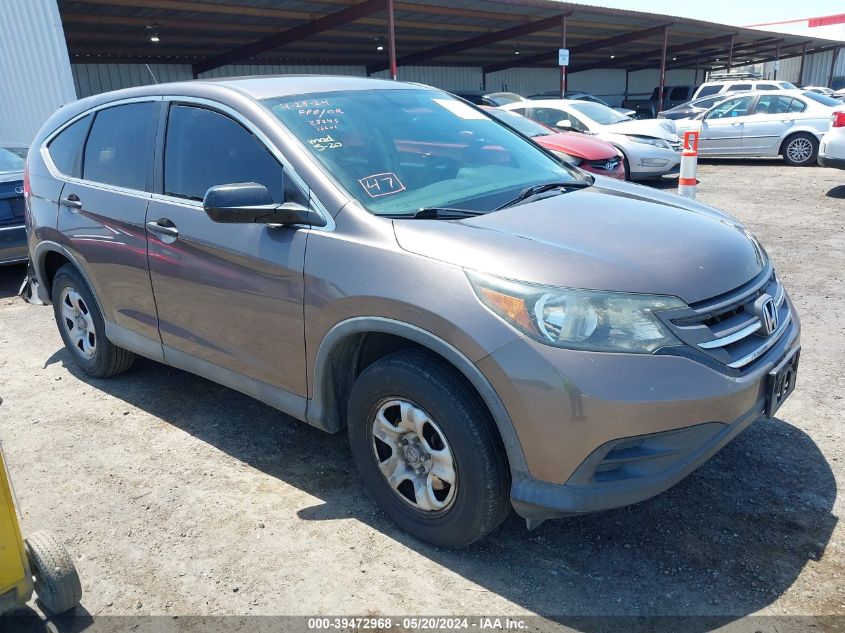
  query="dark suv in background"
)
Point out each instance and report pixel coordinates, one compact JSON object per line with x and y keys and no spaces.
{"x":494,"y":327}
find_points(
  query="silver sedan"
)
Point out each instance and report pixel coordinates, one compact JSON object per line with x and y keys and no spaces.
{"x":788,"y":123}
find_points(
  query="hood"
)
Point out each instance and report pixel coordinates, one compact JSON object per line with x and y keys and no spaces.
{"x":659,"y":128}
{"x":576,"y":144}
{"x":611,"y":236}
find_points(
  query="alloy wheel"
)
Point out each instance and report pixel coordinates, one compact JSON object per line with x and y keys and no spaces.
{"x":799,"y":150}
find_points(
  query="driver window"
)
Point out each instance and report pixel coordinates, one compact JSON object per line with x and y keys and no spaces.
{"x":221,"y":152}
{"x":731,"y":108}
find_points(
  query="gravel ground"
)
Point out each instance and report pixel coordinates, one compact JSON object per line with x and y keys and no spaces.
{"x":178,"y":496}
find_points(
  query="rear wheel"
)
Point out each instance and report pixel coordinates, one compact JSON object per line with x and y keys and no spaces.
{"x":81,"y":325}
{"x":800,"y":149}
{"x":427,"y":449}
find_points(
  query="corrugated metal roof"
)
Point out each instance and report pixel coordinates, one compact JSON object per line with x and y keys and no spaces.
{"x":194,"y":30}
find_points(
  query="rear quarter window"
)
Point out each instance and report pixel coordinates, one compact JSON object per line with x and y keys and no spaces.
{"x":66,"y":149}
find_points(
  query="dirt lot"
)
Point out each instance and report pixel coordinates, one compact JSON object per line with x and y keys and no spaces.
{"x":177,"y":496}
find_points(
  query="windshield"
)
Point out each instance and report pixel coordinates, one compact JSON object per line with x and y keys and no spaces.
{"x":12,"y":159}
{"x":823,"y":99}
{"x":520,"y":123}
{"x":398,"y":151}
{"x":599,"y":113}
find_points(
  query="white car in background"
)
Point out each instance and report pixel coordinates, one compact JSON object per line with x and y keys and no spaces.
{"x":832,"y":149}
{"x":788,"y":123}
{"x":650,"y":147}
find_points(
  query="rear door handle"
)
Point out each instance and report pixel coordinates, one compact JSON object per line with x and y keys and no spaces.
{"x":163,"y":227}
{"x":72,"y":202}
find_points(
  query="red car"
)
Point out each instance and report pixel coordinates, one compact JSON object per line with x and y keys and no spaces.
{"x":582,"y":151}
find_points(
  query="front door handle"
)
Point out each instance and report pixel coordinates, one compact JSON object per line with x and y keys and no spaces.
{"x":72,"y":202}
{"x":165,"y":228}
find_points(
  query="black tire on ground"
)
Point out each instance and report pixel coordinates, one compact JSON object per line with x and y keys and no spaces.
{"x":108,"y":359}
{"x":481,"y":498}
{"x":800,"y":150}
{"x":56,"y":581}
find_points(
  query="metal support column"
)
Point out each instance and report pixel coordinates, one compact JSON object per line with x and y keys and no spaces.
{"x":731,"y":54}
{"x":833,"y":66}
{"x":563,"y":45}
{"x":391,"y":39}
{"x":662,"y":69}
{"x":777,"y":60}
{"x":801,"y":69}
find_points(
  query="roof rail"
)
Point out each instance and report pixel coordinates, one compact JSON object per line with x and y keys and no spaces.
{"x":722,"y":76}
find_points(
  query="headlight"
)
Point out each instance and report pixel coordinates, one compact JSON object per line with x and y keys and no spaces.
{"x":567,"y":158}
{"x":579,"y":319}
{"x":648,"y":140}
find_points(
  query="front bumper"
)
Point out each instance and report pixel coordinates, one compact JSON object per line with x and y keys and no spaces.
{"x":603,"y":430}
{"x":651,"y":162}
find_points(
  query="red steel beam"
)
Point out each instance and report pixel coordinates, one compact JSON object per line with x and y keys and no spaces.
{"x":624,"y":38}
{"x":300,"y":32}
{"x":473,"y":42}
{"x":563,"y":68}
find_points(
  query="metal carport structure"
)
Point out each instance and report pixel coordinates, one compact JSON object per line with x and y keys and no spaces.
{"x":379,"y":35}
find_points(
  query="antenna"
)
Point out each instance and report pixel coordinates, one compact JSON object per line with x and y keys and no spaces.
{"x":150,"y":70}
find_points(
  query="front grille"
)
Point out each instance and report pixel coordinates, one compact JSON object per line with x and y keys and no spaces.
{"x":729,"y":328}
{"x":608,"y":164}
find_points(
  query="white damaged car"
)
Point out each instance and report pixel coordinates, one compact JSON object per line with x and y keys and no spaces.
{"x":651,"y":147}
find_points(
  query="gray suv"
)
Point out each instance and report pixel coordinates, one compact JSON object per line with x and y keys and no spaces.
{"x":494,"y":328}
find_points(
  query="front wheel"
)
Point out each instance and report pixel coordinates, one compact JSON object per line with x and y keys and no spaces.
{"x":427,"y":449}
{"x":800,"y":149}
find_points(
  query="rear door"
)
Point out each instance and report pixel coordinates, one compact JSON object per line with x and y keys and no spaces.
{"x":101,"y":215}
{"x":227,"y":294}
{"x":722,"y":127}
{"x":764,"y":129}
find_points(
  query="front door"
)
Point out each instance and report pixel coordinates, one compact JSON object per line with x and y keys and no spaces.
{"x":228,"y":294}
{"x":722,"y":127}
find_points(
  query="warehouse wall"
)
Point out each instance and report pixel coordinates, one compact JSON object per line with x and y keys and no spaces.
{"x":816,"y":69}
{"x":33,"y":63}
{"x":609,"y":84}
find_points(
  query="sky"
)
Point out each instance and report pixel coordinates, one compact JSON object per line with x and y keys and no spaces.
{"x":729,"y":11}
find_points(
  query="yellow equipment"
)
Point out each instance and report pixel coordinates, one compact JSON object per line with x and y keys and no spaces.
{"x":39,"y":563}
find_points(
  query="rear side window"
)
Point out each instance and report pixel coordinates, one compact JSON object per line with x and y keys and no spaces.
{"x":66,"y":149}
{"x":120,"y":145}
{"x":678,"y":93}
{"x":767,"y":87}
{"x":773,"y":104}
{"x":709,"y":90}
{"x":205,"y":148}
{"x":797,"y":106}
{"x":738,"y":87}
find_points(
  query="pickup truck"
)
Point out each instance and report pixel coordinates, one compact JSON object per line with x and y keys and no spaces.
{"x":648,"y":108}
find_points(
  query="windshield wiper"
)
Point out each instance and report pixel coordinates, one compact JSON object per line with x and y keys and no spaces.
{"x":436,"y":213}
{"x":536,"y":190}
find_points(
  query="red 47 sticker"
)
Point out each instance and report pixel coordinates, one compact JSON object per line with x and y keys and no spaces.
{"x":379,"y":185}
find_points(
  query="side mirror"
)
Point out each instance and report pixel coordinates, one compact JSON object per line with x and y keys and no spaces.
{"x":564,"y":124}
{"x":251,"y":203}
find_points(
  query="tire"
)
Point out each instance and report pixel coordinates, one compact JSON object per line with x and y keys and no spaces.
{"x":800,"y":150}
{"x":453,"y":424}
{"x":56,"y":581}
{"x":81,"y":325}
